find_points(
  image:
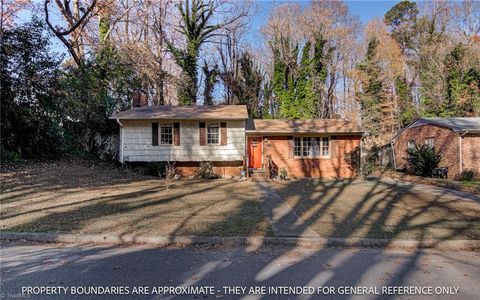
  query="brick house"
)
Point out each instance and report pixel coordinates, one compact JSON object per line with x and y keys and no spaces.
{"x":456,"y":139}
{"x":225,"y":136}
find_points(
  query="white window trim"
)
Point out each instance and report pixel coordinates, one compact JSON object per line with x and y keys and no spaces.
{"x":320,"y":146}
{"x":432,"y":139}
{"x":329,"y":147}
{"x":219,"y":133}
{"x":160,"y":134}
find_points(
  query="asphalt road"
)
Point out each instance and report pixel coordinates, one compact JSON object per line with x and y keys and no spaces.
{"x":274,"y":272}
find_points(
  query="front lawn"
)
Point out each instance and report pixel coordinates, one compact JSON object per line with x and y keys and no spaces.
{"x":90,"y":198}
{"x":376,"y":209}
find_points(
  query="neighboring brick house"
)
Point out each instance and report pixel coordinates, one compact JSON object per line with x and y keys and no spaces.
{"x":456,"y":139}
{"x":223,"y":135}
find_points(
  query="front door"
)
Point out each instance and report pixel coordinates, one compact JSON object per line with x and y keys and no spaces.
{"x":255,"y":152}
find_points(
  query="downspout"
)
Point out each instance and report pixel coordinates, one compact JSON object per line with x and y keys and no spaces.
{"x":460,"y":149}
{"x":361,"y":155}
{"x":392,"y":144}
{"x":120,"y":152}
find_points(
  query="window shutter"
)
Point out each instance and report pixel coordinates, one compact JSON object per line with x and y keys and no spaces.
{"x":223,"y":133}
{"x":291,"y":144}
{"x":201,"y":127}
{"x":154,"y":134}
{"x":176,"y":134}
{"x":333,"y":147}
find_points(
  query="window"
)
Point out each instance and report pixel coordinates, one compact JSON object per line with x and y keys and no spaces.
{"x":411,"y":144}
{"x":297,"y":148}
{"x":311,"y":147}
{"x":430,"y":142}
{"x":213,"y":134}
{"x":326,"y":146}
{"x":166,"y":134}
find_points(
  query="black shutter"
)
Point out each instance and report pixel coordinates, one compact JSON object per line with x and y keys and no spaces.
{"x":154,"y":134}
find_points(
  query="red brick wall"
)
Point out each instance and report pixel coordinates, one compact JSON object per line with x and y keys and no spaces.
{"x":224,"y":169}
{"x":471,"y":152}
{"x":446,"y":143}
{"x":279,"y":148}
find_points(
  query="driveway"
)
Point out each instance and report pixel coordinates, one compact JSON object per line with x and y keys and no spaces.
{"x":229,"y":270}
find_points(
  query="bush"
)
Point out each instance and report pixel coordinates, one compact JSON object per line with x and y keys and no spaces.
{"x":468,"y":175}
{"x":283,"y":174}
{"x":423,"y":160}
{"x":354,"y":162}
{"x":205,"y":171}
{"x":9,"y":156}
{"x":352,"y":158}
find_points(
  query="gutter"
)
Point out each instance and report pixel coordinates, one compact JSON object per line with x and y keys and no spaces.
{"x":460,"y":149}
{"x":120,"y":151}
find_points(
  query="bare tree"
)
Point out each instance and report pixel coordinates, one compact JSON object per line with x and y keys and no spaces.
{"x":199,"y":23}
{"x":76,"y":16}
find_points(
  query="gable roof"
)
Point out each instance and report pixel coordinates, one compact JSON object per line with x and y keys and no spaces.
{"x":302,"y":126}
{"x":455,"y":124}
{"x":206,"y":112}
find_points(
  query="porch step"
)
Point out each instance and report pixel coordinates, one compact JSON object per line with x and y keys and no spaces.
{"x":257,"y":171}
{"x":260,"y":174}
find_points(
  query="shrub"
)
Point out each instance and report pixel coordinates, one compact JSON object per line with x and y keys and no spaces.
{"x":352,"y":158}
{"x":205,"y":171}
{"x":9,"y":156}
{"x":283,"y":174}
{"x":468,"y":175}
{"x":368,"y":166}
{"x":423,"y":160}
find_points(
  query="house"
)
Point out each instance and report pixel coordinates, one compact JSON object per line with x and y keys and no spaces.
{"x":456,"y":139}
{"x":225,"y":136}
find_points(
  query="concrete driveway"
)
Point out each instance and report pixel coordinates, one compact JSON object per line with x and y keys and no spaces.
{"x":233,"y":271}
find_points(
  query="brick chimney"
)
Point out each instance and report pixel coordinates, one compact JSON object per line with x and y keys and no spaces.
{"x":139,"y":99}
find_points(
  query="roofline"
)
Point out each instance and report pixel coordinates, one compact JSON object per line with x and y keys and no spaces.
{"x":456,"y":129}
{"x":430,"y":121}
{"x":403,"y":129}
{"x":291,"y":132}
{"x":173,"y":118}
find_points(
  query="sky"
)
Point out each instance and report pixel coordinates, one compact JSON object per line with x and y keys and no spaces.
{"x":365,"y":10}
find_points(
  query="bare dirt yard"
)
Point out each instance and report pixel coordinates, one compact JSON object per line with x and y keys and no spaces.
{"x":87,"y":197}
{"x":377,"y":209}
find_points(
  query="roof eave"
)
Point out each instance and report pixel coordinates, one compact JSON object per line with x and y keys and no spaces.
{"x":303,"y":132}
{"x":175,"y":118}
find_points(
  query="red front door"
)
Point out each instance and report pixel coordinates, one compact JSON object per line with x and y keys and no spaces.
{"x":255,"y":152}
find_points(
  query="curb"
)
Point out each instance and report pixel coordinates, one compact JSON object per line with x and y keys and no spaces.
{"x":50,"y":237}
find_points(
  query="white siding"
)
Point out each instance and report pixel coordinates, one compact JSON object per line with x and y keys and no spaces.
{"x":137,"y":143}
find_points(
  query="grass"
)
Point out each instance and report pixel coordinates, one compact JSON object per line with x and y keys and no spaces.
{"x":91,"y":198}
{"x":84,"y":198}
{"x":465,"y":186}
{"x":373,"y":209}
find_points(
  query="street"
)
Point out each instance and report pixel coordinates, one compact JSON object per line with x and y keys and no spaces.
{"x":58,"y":271}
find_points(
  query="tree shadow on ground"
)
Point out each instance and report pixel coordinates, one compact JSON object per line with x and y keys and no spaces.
{"x":372,"y":214}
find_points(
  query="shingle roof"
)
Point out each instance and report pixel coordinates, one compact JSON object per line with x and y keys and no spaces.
{"x":207,"y":112}
{"x":457,"y":124}
{"x":303,"y":126}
